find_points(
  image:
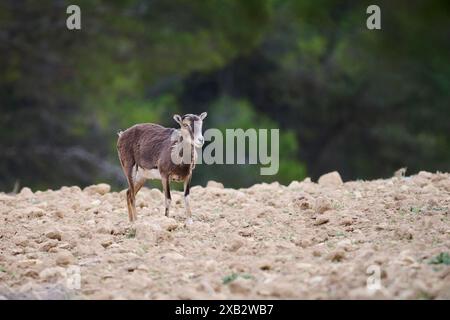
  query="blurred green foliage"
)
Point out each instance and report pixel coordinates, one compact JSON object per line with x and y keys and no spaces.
{"x":345,"y":98}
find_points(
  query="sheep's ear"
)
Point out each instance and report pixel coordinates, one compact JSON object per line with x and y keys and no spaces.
{"x":177,"y":118}
{"x":203,"y":115}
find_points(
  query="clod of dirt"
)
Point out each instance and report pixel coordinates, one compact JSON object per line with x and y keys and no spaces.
{"x":26,"y":193}
{"x":404,"y":233}
{"x":346,"y":221}
{"x":46,"y":246}
{"x":321,"y":220}
{"x":214,"y":184}
{"x":322,"y":205}
{"x":100,"y":189}
{"x":331,"y":179}
{"x":21,"y":241}
{"x":303,"y":202}
{"x":54,"y":234}
{"x":336,"y":255}
{"x":156,"y":194}
{"x":32,"y":212}
{"x":64,"y":258}
{"x":235,"y":245}
{"x":240,"y":286}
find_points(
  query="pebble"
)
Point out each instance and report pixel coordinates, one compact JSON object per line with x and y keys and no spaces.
{"x":321,"y":220}
{"x":54,"y":234}
{"x":98,"y":189}
{"x":214,"y":184}
{"x":331,"y":179}
{"x":64,"y":258}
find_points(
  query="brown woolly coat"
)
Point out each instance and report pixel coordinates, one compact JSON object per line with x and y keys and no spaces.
{"x":149,"y":146}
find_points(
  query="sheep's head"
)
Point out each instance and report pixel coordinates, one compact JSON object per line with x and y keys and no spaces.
{"x":191,"y":128}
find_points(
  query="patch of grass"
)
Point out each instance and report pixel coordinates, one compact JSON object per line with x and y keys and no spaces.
{"x":441,"y":258}
{"x":340,"y":234}
{"x":423,"y":295}
{"x":131,"y":233}
{"x":231,"y":277}
{"x":2,"y":269}
{"x":338,"y":206}
{"x":415,"y":210}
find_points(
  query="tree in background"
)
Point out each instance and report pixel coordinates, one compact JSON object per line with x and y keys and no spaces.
{"x":347,"y":98}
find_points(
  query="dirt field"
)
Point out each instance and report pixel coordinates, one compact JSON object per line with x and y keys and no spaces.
{"x":305,"y":240}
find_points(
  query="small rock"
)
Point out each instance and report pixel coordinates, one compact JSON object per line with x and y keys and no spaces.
{"x":49,"y":245}
{"x":317,"y":253}
{"x":265,"y":266}
{"x":107,"y":228}
{"x":321,"y":220}
{"x":96,"y":203}
{"x":172,"y":256}
{"x":345,"y":244}
{"x":322,"y":204}
{"x":279,"y":289}
{"x":214,"y":184}
{"x":64,"y":258}
{"x":58,"y":214}
{"x":404,"y":188}
{"x":142,"y":267}
{"x":331,"y":179}
{"x":346,"y":221}
{"x":50,"y":274}
{"x":26,"y":192}
{"x":31,"y":274}
{"x":21,"y":241}
{"x":33,"y":212}
{"x":425,"y":174}
{"x":336,"y":255}
{"x":399,"y":196}
{"x":303,"y":243}
{"x":294,"y":185}
{"x":101,"y":189}
{"x":106,"y":243}
{"x":404,"y":233}
{"x":54,"y":234}
{"x":247,"y":232}
{"x":303,"y":202}
{"x":169,"y":224}
{"x":156,"y":195}
{"x":240,"y":286}
{"x":429,"y":188}
{"x":235,"y":245}
{"x":211,"y":265}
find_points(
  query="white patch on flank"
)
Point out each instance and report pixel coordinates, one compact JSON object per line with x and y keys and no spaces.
{"x":147,"y":174}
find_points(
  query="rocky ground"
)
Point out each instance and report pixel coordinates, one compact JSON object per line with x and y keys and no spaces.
{"x":360,"y":239}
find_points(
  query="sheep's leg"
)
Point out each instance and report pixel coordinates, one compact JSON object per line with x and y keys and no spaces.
{"x":166,"y":188}
{"x":130,"y":205}
{"x":127,"y":167}
{"x":138,"y":185}
{"x":139,"y":181}
{"x":131,"y":198}
{"x":187,"y":187}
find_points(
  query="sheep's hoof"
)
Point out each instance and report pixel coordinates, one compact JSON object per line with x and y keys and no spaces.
{"x":189,"y":222}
